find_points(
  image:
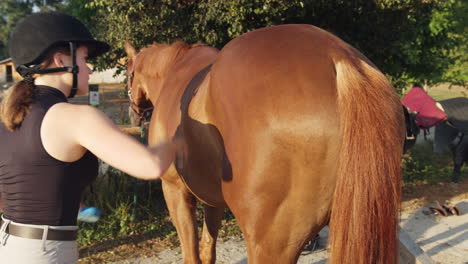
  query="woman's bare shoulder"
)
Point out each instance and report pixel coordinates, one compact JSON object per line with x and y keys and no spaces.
{"x":71,"y":108}
{"x":74,"y":113}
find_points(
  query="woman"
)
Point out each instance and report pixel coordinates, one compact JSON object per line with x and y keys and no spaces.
{"x":49,"y":147}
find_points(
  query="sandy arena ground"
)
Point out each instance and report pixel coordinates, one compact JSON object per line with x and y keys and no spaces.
{"x":444,"y":239}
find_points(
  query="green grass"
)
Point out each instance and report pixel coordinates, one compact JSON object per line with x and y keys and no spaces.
{"x":420,"y":164}
{"x":443,"y":95}
{"x":114,"y":194}
{"x":443,"y":92}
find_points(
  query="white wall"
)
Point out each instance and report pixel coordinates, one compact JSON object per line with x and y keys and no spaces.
{"x":106,"y":76}
{"x":421,"y":140}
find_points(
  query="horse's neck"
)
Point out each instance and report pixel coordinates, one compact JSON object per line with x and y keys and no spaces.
{"x":155,"y":86}
{"x":184,"y":76}
{"x":198,"y":86}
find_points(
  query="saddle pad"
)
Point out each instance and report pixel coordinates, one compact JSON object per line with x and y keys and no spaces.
{"x":427,"y":113}
{"x":457,"y":112}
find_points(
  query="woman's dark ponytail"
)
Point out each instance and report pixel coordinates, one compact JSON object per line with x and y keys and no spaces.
{"x":18,"y":99}
{"x":17,"y":103}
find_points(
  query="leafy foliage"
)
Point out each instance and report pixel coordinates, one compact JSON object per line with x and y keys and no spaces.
{"x":456,"y":16}
{"x":409,"y":40}
{"x":217,"y":22}
{"x":11,"y":11}
{"x":438,"y":36}
{"x":140,"y":21}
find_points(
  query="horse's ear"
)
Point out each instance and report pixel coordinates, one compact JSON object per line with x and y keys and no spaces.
{"x":129,"y":49}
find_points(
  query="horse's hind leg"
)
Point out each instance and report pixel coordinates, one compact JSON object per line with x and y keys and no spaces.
{"x":211,"y":225}
{"x":181,"y":204}
{"x":277,"y":227}
{"x":281,"y":240}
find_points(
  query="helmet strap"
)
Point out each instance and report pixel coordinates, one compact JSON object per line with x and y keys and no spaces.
{"x":75,"y":70}
{"x":28,"y":71}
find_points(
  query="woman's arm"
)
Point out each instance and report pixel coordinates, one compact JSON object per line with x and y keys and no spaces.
{"x":84,"y":127}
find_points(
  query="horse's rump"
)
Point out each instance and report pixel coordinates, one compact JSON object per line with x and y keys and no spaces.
{"x":288,"y":100}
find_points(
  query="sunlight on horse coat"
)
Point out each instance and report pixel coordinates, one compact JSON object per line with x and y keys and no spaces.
{"x":289,"y":127}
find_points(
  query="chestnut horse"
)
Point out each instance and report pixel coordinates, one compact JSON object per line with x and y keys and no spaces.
{"x":287,"y":126}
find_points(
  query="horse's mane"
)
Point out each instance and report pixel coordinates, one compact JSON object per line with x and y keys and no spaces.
{"x":157,"y":58}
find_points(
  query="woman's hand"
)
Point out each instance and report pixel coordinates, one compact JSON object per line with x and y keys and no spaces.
{"x":165,"y":153}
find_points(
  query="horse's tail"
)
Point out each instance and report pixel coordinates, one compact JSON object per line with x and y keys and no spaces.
{"x":365,"y":211}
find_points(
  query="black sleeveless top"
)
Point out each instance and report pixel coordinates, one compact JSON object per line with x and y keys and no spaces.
{"x":37,"y":188}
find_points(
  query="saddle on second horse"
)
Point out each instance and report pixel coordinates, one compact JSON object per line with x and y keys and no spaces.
{"x":426,"y":109}
{"x":450,"y":118}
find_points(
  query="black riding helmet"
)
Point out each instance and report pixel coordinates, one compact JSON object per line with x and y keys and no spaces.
{"x":35,"y":35}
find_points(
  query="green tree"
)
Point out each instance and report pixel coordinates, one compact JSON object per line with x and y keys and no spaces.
{"x":454,"y":19}
{"x":208,"y":21}
{"x":10,"y":12}
{"x":435,"y":45}
{"x":410,"y":40}
{"x":142,"y":22}
{"x":79,"y":9}
{"x":217,"y":22}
